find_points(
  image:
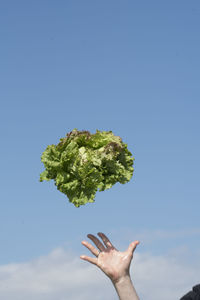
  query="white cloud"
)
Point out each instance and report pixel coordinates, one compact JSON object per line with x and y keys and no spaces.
{"x":164,"y":277}
{"x":61,"y":276}
{"x":58,"y":275}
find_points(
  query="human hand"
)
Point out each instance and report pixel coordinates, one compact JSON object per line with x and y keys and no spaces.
{"x":113,"y":263}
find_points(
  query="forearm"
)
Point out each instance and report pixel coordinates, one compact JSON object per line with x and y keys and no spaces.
{"x":125,"y":289}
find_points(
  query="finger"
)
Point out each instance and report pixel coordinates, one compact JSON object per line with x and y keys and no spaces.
{"x":132,"y":247}
{"x":91,"y":248}
{"x":91,"y":260}
{"x":97,"y":242}
{"x":105,"y":240}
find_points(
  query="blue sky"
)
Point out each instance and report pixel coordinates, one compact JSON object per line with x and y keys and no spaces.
{"x":127,"y":66}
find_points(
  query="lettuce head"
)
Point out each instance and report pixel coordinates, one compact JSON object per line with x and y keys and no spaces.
{"x":83,"y":163}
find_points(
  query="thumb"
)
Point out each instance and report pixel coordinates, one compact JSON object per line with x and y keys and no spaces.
{"x":132,"y":247}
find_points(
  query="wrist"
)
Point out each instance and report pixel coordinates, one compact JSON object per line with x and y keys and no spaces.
{"x":125,"y":289}
{"x":122,"y":280}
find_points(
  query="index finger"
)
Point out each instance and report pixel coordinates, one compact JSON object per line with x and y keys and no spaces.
{"x":97,"y":242}
{"x":105,"y":239}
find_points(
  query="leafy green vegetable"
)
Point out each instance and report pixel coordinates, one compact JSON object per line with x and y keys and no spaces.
{"x":83,"y":163}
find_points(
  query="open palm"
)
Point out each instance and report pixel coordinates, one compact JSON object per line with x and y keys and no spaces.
{"x":113,"y":263}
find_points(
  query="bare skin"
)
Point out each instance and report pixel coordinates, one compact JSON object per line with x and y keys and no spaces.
{"x":113,"y":263}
